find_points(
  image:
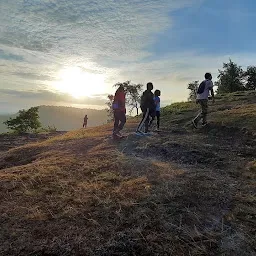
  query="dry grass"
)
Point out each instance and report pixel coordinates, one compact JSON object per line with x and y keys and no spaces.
{"x":239,"y":116}
{"x":181,"y":193}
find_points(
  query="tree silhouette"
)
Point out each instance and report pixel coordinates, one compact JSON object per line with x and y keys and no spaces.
{"x":230,"y":79}
{"x":27,"y":120}
{"x":250,"y":75}
{"x":193,"y":90}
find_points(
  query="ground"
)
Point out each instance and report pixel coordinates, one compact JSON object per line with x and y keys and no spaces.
{"x":178,"y":192}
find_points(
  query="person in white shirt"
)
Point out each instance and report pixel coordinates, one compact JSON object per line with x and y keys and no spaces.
{"x":203,"y":92}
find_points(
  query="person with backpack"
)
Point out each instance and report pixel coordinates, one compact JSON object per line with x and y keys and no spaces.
{"x":203,"y":91}
{"x":157,"y":95}
{"x":119,"y":110}
{"x":148,"y":109}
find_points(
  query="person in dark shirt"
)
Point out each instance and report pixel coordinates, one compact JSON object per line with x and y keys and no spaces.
{"x":148,"y":109}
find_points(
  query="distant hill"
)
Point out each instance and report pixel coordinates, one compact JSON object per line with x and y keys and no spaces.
{"x":64,"y":118}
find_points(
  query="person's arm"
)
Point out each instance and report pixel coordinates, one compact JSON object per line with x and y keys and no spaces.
{"x":209,"y":88}
{"x":152,"y":102}
{"x":212,"y":92}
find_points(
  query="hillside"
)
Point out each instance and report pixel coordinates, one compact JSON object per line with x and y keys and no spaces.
{"x":180,"y":192}
{"x":64,"y":118}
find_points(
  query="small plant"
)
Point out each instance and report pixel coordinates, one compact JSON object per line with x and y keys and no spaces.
{"x":49,"y":128}
{"x":27,"y":120}
{"x":193,"y":90}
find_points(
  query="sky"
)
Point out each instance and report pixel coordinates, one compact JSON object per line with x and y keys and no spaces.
{"x":72,"y":52}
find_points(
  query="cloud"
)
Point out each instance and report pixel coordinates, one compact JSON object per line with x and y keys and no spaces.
{"x":49,"y":35}
{"x":48,"y":96}
{"x":10,"y":56}
{"x":33,"y":76}
{"x":96,"y":29}
{"x":40,"y":38}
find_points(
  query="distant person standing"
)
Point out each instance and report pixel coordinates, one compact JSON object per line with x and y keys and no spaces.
{"x":203,"y":92}
{"x":119,"y":112}
{"x":148,"y":109}
{"x":85,"y":121}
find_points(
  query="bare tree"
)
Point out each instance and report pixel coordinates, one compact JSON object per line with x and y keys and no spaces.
{"x":109,"y":108}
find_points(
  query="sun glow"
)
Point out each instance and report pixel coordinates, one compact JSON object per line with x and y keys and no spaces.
{"x":78,"y":83}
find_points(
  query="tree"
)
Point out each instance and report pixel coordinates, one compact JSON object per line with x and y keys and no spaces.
{"x":27,"y":120}
{"x":133,"y":92}
{"x":109,"y":108}
{"x":231,"y":78}
{"x":193,"y":90}
{"x":250,"y":75}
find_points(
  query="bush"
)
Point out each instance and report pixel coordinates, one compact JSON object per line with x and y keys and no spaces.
{"x":27,"y":120}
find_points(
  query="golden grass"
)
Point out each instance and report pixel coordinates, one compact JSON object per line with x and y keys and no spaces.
{"x":100,"y":131}
{"x":82,"y":193}
{"x":243,"y":116}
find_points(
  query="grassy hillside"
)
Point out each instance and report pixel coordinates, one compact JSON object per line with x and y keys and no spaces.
{"x":64,"y":118}
{"x":180,"y":192}
{"x":233,"y":110}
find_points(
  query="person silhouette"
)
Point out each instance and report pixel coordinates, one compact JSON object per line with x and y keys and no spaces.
{"x":85,"y":121}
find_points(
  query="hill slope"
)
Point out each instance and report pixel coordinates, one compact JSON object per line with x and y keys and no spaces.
{"x":180,"y":192}
{"x":64,"y":118}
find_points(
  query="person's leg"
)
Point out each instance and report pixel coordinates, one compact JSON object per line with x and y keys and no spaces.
{"x":152,"y":118}
{"x":204,"y":105}
{"x":199,"y":115}
{"x":142,"y":122}
{"x":151,"y":121}
{"x":122,"y":118}
{"x":147,"y":122}
{"x":116,"y":122}
{"x":158,"y":119}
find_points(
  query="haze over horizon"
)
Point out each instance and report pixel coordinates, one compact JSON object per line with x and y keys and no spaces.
{"x":70,"y":53}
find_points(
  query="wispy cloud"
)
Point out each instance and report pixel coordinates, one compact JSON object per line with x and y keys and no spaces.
{"x":94,"y":35}
{"x":45,"y":95}
{"x":39,"y":38}
{"x":99,"y":29}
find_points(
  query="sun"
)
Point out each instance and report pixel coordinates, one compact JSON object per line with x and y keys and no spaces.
{"x":78,"y":83}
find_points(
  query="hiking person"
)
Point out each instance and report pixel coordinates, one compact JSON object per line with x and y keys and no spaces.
{"x":85,"y":121}
{"x":203,"y":91}
{"x":157,"y":95}
{"x":119,"y":112}
{"x":148,"y":109}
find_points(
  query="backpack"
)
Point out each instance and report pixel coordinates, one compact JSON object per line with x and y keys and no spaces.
{"x":201,"y":87}
{"x":115,"y":105}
